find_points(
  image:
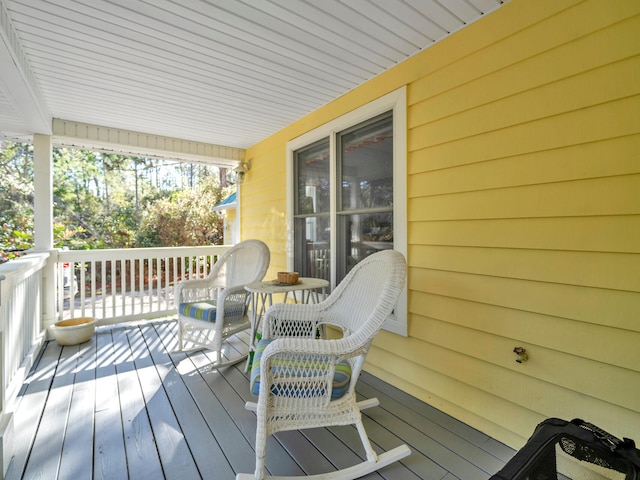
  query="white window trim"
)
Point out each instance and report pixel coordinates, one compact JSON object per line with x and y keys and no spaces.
{"x":396,"y":101}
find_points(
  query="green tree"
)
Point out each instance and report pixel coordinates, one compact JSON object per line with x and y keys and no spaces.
{"x":16,"y":198}
{"x":187,"y":218}
{"x":111,"y":201}
{"x":77,"y":203}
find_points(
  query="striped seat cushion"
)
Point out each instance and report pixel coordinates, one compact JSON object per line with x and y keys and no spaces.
{"x":341,"y":377}
{"x":206,"y":310}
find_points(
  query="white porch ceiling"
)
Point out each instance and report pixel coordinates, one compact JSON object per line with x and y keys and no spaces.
{"x":225,"y":72}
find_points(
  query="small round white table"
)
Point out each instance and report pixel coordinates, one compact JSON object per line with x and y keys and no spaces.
{"x":262,"y":298}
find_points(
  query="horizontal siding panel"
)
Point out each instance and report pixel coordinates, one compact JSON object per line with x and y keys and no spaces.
{"x":480,"y":423}
{"x":435,"y":96}
{"x":499,"y":393}
{"x":269,"y":165}
{"x":597,"y":234}
{"x":443,"y":391}
{"x":263,"y":203}
{"x":256,"y":192}
{"x":563,"y":199}
{"x":619,"y":386}
{"x":254,"y":198}
{"x":610,"y":120}
{"x":574,"y":93}
{"x":576,"y":162}
{"x":267,"y":211}
{"x":271,"y":235}
{"x":458,"y":48}
{"x":601,"y":343}
{"x":618,"y":271}
{"x":536,"y":37}
{"x":592,"y":305}
{"x":270,"y":171}
{"x":263,"y":227}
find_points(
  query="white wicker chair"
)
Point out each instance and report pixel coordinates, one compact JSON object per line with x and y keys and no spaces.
{"x":304,"y":380}
{"x":215,"y":308}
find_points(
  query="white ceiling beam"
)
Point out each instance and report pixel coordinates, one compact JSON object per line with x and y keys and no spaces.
{"x":18,"y":84}
{"x":112,"y":140}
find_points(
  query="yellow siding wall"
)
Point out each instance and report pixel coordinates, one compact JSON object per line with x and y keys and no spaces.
{"x":263,"y":203}
{"x":523,"y":217}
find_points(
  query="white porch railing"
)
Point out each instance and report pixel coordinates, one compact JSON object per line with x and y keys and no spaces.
{"x":20,"y":314}
{"x":121,"y":285}
{"x":21,"y":334}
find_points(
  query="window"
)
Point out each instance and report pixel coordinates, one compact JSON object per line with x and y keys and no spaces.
{"x":347,"y":193}
{"x":312,"y":211}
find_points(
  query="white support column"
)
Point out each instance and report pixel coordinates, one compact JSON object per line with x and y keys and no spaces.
{"x":43,"y":197}
{"x":43,"y":220}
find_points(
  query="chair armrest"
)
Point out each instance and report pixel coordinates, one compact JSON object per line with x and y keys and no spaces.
{"x":342,"y":347}
{"x":292,"y":320}
{"x":233,"y":295}
{"x":232,"y":304}
{"x":187,"y":285}
{"x":234,"y":290}
{"x":207,"y":284}
{"x":301,"y":346}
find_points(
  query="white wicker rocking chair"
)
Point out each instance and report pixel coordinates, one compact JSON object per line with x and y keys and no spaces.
{"x":212,"y":309}
{"x":304,"y":380}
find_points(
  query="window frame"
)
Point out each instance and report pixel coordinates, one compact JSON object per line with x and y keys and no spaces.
{"x":396,"y":102}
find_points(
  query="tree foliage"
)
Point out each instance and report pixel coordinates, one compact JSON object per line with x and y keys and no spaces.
{"x":111,"y":201}
{"x":16,"y":198}
{"x":186,"y":218}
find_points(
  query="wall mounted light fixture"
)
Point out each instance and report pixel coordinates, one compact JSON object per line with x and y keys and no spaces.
{"x":242,"y":169}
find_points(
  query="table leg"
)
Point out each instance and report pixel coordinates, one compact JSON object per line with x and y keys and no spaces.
{"x":252,"y":334}
{"x":259,"y":308}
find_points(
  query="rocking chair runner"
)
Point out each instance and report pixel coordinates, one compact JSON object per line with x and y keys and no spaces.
{"x":215,"y":308}
{"x":304,"y":380}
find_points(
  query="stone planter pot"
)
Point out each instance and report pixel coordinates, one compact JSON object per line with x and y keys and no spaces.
{"x":74,"y":331}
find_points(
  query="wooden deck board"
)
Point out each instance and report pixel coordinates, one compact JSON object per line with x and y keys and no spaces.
{"x":109,"y":456}
{"x":454,"y":453}
{"x":175,"y":455}
{"x":207,"y":454}
{"x":33,"y":399}
{"x":143,"y":460}
{"x":462,"y":430}
{"x":126,"y":405}
{"x":78,"y":439}
{"x":47,"y":449}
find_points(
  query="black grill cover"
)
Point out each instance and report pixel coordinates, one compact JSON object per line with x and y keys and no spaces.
{"x":575,"y":450}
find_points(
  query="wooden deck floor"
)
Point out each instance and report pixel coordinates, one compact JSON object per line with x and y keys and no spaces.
{"x":123,"y":406}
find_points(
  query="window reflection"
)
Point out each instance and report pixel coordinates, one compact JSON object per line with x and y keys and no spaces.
{"x":367,"y":166}
{"x":312,"y":206}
